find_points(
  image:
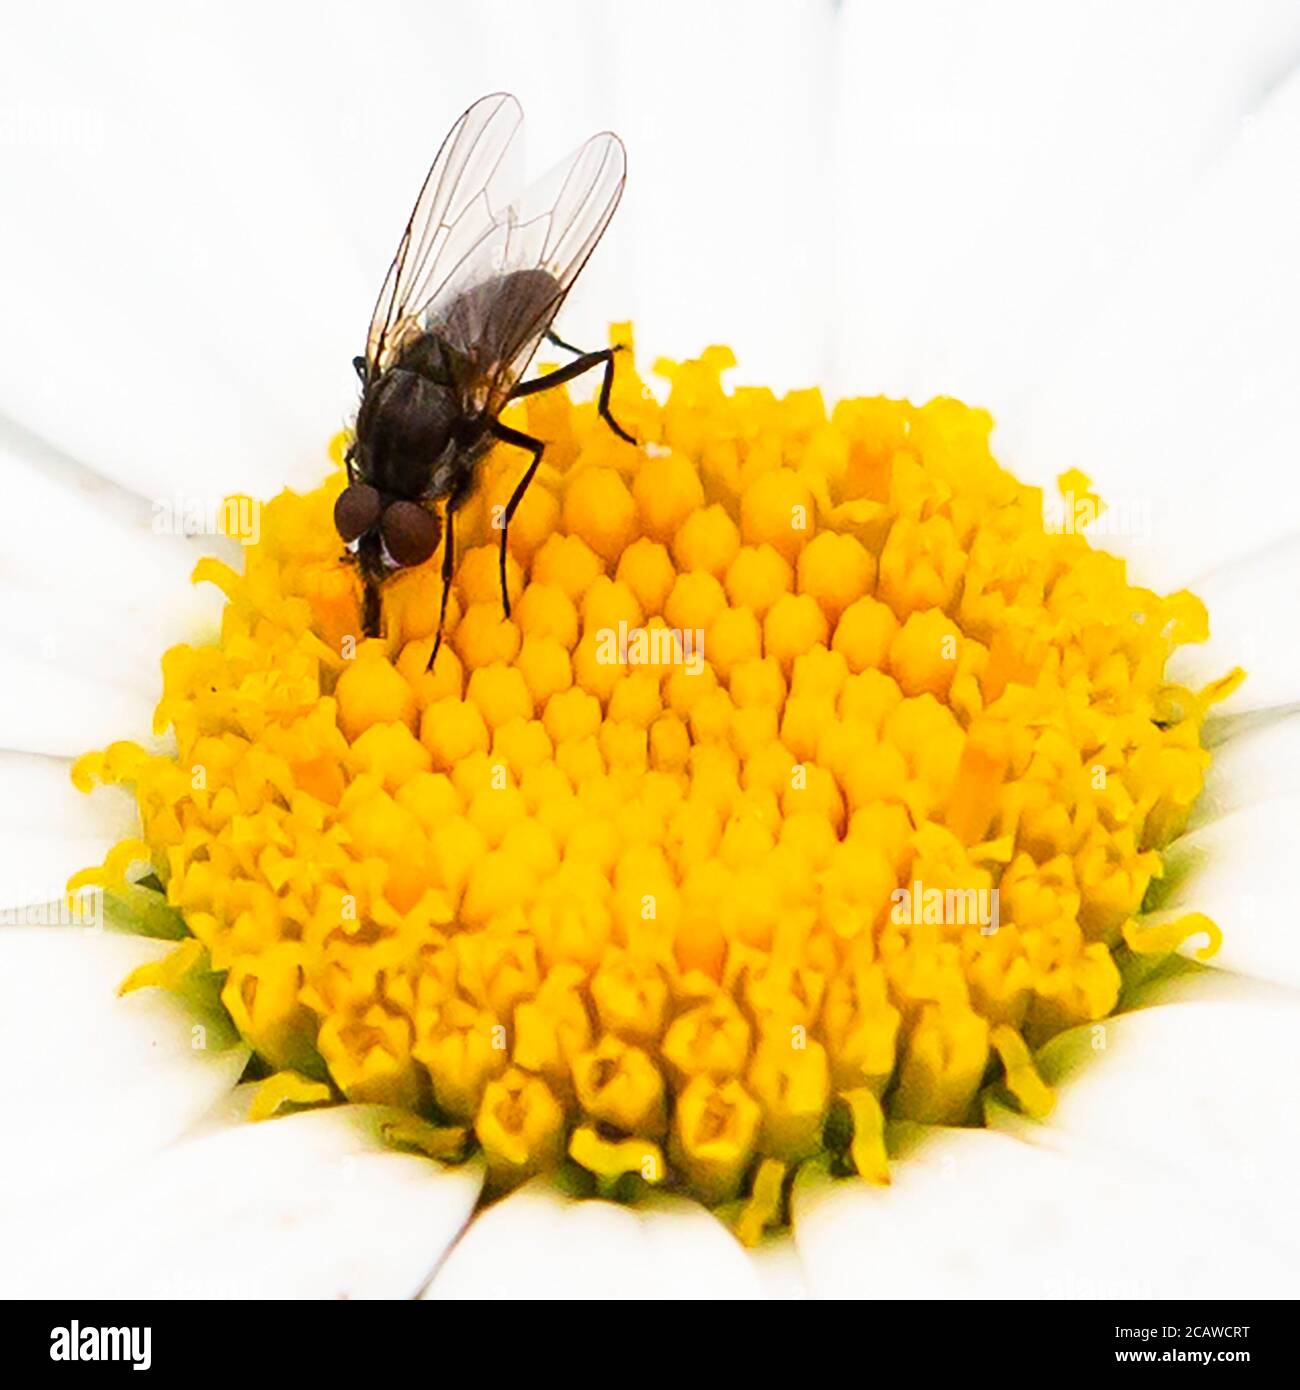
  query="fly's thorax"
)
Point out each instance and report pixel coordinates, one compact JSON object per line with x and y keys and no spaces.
{"x":405,"y":426}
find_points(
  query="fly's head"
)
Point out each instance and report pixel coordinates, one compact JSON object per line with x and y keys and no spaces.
{"x":398,"y":532}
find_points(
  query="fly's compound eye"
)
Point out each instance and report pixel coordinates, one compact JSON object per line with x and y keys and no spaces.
{"x":356,"y":511}
{"x":410,"y":533}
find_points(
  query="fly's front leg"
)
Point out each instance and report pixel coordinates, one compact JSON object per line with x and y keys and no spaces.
{"x":535,"y":447}
{"x":372,"y":570}
{"x":584,"y":363}
{"x":370,"y":608}
{"x":448,"y":569}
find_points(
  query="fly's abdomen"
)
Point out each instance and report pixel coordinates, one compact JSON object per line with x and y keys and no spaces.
{"x":492,"y":320}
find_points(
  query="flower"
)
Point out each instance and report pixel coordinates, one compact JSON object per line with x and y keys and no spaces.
{"x":614,"y":882}
{"x":1111,"y":1144}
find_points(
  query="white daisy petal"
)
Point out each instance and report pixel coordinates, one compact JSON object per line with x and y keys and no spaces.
{"x":308,"y":1206}
{"x":1251,"y":603}
{"x":85,"y":634}
{"x":94,"y":1082}
{"x":49,"y":830}
{"x":46,"y":708}
{"x":1258,"y":762}
{"x":538,"y":1243}
{"x":977,"y":1214}
{"x":983,"y":201}
{"x":1176,"y":392}
{"x":207,"y":336}
{"x":84,"y":533}
{"x":661,"y":268}
{"x":1203,"y":1089}
{"x":1237,"y":870}
{"x":780,"y":1270}
{"x":1199,"y":1093}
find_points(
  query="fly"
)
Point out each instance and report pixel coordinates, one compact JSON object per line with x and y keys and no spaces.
{"x":477,"y":280}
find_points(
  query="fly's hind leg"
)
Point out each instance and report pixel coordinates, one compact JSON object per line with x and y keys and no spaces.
{"x":557,"y":341}
{"x":535,"y":447}
{"x":583,"y":363}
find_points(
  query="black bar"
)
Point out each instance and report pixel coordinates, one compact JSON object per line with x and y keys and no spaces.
{"x":996,"y":1339}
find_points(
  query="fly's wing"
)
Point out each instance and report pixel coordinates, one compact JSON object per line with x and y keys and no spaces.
{"x":494,"y":305}
{"x":463,"y":198}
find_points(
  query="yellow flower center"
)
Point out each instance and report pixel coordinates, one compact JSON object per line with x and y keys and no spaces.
{"x":813,"y":784}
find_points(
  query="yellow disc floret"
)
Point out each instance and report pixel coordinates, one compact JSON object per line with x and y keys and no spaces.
{"x":813,"y":784}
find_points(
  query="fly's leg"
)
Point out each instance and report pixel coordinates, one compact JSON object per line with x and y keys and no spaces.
{"x":535,"y":447}
{"x":372,"y":573}
{"x":583,"y":363}
{"x":370,"y":608}
{"x":448,"y":569}
{"x":557,"y":341}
